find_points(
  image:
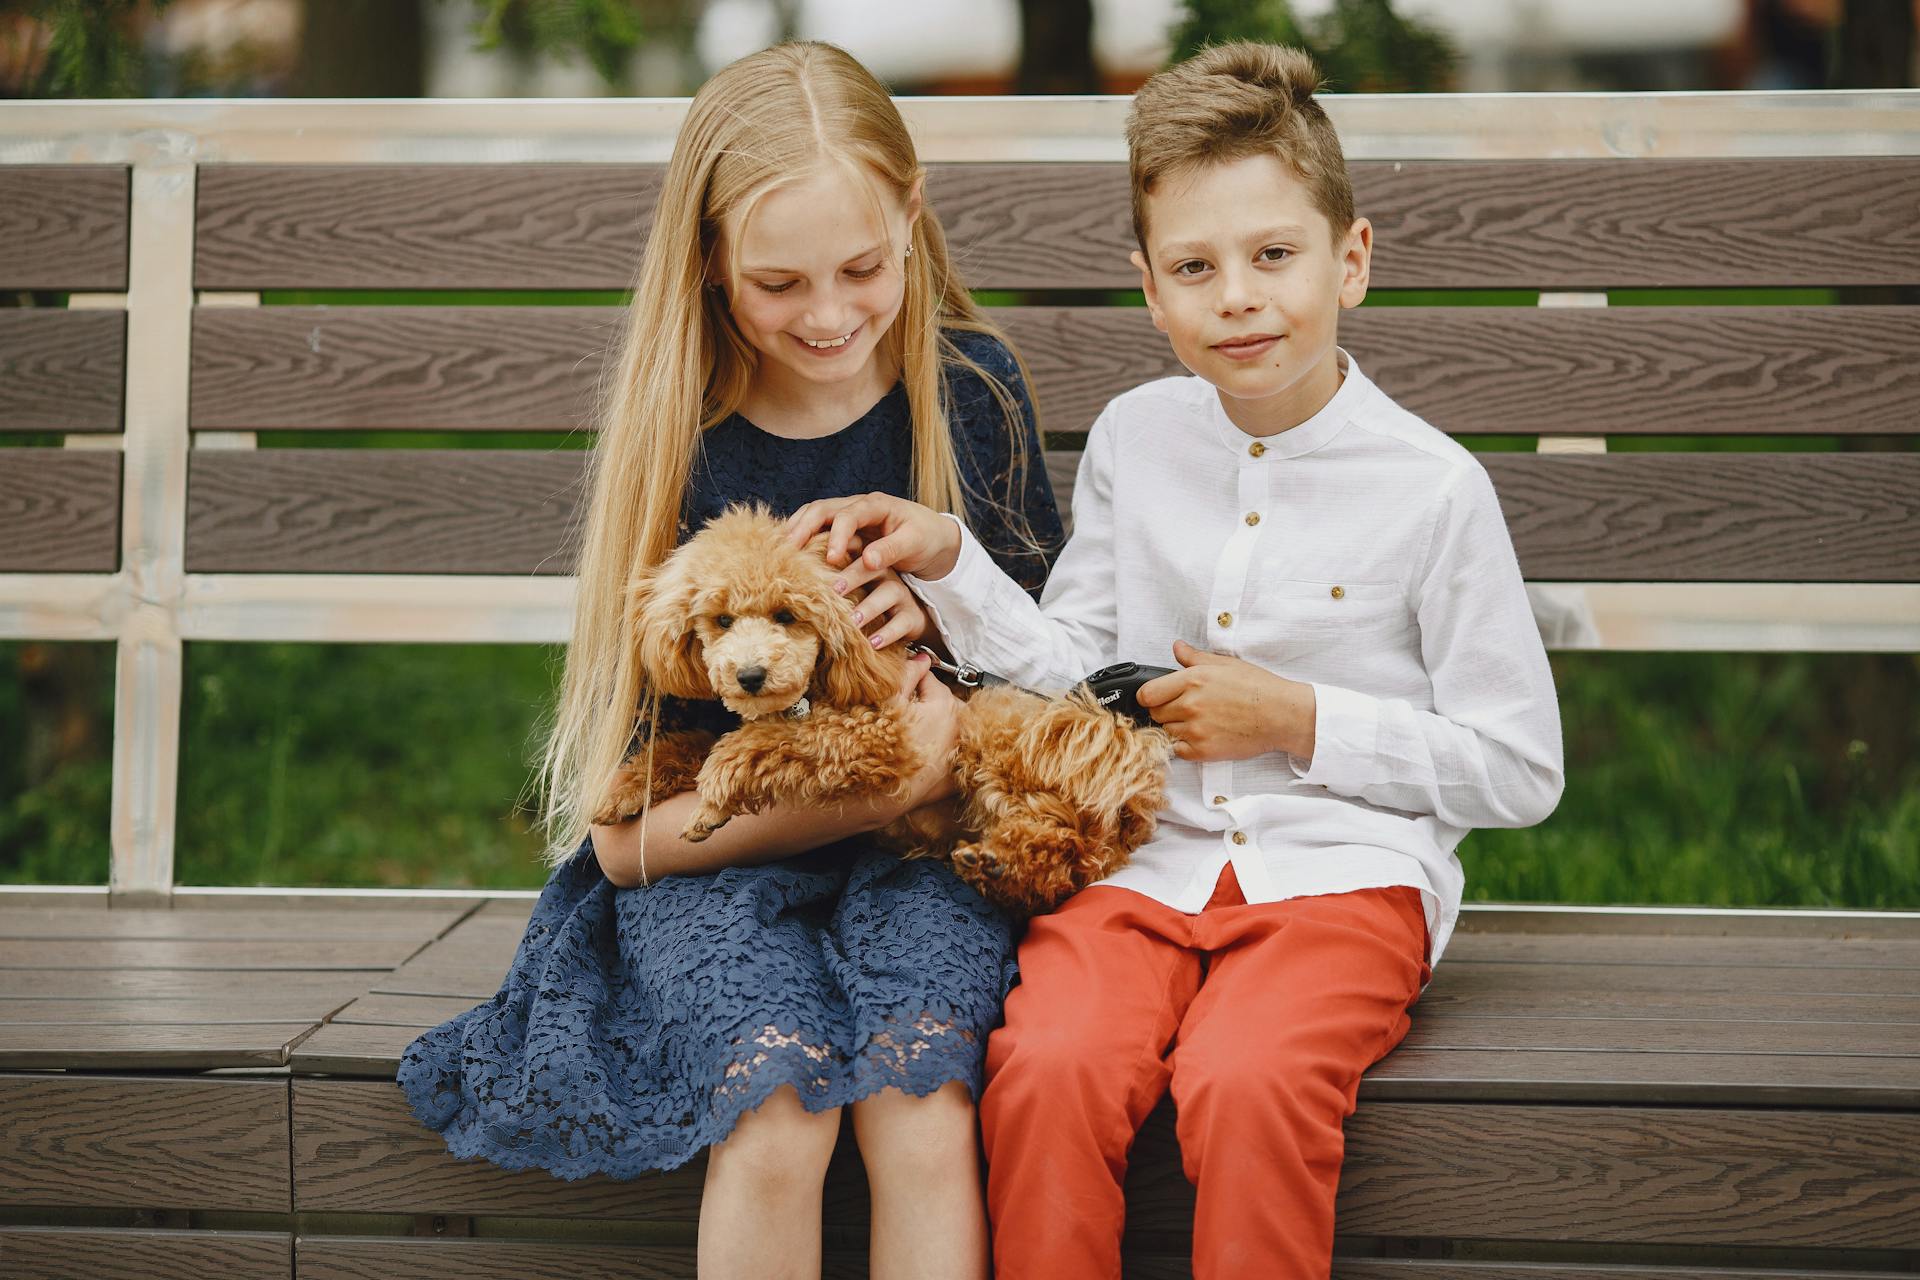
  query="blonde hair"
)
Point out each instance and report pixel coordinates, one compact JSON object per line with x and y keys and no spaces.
{"x":1228,"y":102}
{"x":682,"y":367}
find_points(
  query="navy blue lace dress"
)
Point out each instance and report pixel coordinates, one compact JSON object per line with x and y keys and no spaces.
{"x":635,"y":1027}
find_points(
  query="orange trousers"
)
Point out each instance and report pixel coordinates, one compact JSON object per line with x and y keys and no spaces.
{"x":1261,"y":1018}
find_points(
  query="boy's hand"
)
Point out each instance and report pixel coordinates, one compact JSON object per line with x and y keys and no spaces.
{"x":899,"y":535}
{"x":1221,"y":708}
{"x":933,"y":724}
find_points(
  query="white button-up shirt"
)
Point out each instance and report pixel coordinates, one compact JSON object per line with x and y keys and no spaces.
{"x":1362,"y":552}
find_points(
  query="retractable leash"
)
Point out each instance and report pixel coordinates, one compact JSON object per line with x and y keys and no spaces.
{"x":1115,"y":687}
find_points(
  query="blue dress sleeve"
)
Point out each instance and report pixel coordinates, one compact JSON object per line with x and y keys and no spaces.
{"x":1009,"y":499}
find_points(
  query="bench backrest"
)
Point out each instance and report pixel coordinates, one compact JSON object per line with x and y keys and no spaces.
{"x":182,"y":527}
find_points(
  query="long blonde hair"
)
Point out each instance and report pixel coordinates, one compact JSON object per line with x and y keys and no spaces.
{"x":683,"y":366}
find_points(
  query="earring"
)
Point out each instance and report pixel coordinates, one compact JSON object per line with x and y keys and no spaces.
{"x":909,"y":248}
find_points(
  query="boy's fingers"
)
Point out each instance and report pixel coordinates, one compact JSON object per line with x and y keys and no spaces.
{"x":1161,"y":689}
{"x":917,"y":668}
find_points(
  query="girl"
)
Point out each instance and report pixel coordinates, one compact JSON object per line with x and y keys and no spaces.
{"x":796,"y":332}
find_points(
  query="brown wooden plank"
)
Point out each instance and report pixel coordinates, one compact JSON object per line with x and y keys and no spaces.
{"x":1487,"y":976}
{"x":1709,"y":922}
{"x":381,"y":1010}
{"x":308,"y":924}
{"x":359,"y":1049}
{"x":1468,"y":370}
{"x":145,"y":1142}
{"x":1550,"y":224}
{"x":63,"y":226}
{"x":1636,"y":517}
{"x":381,"y":511}
{"x":169,"y":953}
{"x":1756,"y":952}
{"x":87,"y":1046}
{"x":356,"y":1148}
{"x":62,"y":1253}
{"x":1421,"y":1268}
{"x":1706,"y":1079}
{"x":242,"y":1008}
{"x":1600,"y":1175}
{"x":59,"y":511}
{"x":1581,"y":999}
{"x":1466,"y":1031}
{"x":61,"y":370}
{"x":297,"y":988}
{"x":533,"y":226}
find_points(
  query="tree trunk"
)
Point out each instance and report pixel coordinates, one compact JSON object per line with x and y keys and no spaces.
{"x":1056,"y":47}
{"x":361,"y":49}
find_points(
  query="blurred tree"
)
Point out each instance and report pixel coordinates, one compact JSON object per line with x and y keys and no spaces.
{"x":1362,"y":46}
{"x":1875,"y":45}
{"x":78,"y":48}
{"x":605,"y":32}
{"x":1056,"y":48}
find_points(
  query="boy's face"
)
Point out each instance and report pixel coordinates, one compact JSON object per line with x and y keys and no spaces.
{"x":1247,"y":280}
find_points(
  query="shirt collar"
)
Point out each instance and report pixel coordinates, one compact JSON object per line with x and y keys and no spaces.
{"x":1315,"y":431}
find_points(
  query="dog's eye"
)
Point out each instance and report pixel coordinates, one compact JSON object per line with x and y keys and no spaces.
{"x":783,"y":616}
{"x":723,"y":621}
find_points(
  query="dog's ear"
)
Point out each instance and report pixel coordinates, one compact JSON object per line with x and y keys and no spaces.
{"x":660,"y":620}
{"x":850,"y":673}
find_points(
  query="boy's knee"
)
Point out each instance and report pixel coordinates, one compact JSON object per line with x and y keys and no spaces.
{"x":1047,"y":1070}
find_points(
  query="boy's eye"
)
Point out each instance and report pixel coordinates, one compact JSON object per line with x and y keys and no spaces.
{"x":723,"y":621}
{"x":1191,"y":267}
{"x":1274,"y":253}
{"x":783,"y":616}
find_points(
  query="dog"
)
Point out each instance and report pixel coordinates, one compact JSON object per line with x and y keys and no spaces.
{"x":1053,"y":793}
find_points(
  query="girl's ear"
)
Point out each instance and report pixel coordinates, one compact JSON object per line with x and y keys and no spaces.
{"x":916,"y":201}
{"x":660,"y":619}
{"x":850,"y":673}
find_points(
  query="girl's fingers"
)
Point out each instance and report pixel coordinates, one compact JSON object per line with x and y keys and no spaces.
{"x":813,"y":517}
{"x":886,"y":595}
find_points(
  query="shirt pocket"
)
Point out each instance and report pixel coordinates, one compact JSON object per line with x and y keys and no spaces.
{"x":1335,"y":625}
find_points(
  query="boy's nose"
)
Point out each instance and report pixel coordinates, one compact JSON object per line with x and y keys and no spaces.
{"x":751,"y":678}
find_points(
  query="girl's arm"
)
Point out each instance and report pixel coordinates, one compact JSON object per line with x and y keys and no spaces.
{"x":641,"y":850}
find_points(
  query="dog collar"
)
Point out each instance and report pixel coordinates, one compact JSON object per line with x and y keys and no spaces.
{"x":799,"y":710}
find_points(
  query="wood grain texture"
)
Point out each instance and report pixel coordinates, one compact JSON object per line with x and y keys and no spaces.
{"x":59,"y":511}
{"x":1519,"y":978}
{"x":1568,"y":224}
{"x":145,"y":1142}
{"x":381,"y":511}
{"x":312,"y":924}
{"x":63,"y":1253}
{"x":95,"y":1047}
{"x":61,"y":370}
{"x":1628,"y":517}
{"x":1600,"y":1175}
{"x":177,"y":953}
{"x":1467,"y":370}
{"x":63,"y":226}
{"x":336,"y":987}
{"x":1899,"y":1042}
{"x":238,"y":1009}
{"x":1840,"y":953}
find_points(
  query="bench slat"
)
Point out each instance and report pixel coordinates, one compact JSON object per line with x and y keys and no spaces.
{"x":175,"y":953}
{"x":145,"y":1142}
{"x":61,"y":1253}
{"x":333,"y":988}
{"x":1548,"y":224}
{"x":61,"y":370}
{"x":59,"y":511}
{"x":1468,"y":370}
{"x":1625,"y":517}
{"x":1705,"y":1177}
{"x":64,"y":226}
{"x":187,"y":923}
{"x":87,"y":1046}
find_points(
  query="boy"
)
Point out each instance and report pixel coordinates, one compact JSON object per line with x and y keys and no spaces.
{"x":1360,"y":680}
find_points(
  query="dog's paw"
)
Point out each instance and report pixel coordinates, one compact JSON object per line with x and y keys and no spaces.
{"x":702,"y":824}
{"x":977,"y":865}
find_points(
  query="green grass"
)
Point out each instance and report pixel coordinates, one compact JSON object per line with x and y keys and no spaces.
{"x":1720,"y":779}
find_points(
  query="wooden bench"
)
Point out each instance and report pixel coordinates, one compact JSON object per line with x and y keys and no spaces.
{"x":198,"y":1081}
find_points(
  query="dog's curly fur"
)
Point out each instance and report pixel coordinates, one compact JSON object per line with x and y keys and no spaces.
{"x":1054,"y":793}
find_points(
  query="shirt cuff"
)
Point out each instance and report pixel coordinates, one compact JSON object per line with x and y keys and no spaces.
{"x":947,"y":598}
{"x":1346,"y":735}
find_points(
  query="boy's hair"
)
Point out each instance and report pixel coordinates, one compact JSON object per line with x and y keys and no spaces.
{"x":1228,"y":102}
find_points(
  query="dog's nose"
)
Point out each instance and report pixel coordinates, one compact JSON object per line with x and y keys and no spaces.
{"x":751,"y":678}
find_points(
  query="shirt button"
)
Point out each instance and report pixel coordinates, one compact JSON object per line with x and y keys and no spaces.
{"x":1256,"y":448}
{"x":1219,"y":799}
{"x":1224,"y":619}
{"x":1239,"y":837}
{"x":1339,"y":593}
{"x":1253,"y":517}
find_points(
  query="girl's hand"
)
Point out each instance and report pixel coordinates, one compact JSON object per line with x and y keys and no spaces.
{"x":899,"y":534}
{"x":933,"y":726}
{"x":1222,"y":708}
{"x":886,"y":609}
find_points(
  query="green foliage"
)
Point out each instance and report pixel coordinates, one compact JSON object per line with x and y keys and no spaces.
{"x":605,"y":32}
{"x":93,"y":49}
{"x":1361,"y":46}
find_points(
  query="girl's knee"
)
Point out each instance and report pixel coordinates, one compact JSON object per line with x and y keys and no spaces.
{"x":778,"y":1147}
{"x":903,"y":1136}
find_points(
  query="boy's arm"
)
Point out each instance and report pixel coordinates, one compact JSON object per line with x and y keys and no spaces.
{"x":1489,"y":753}
{"x":988,"y":620}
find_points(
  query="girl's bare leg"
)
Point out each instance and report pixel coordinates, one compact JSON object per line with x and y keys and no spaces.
{"x":760,"y":1211}
{"x":923,"y":1164}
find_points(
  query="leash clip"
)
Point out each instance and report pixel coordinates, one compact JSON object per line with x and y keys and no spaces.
{"x":965,"y":674}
